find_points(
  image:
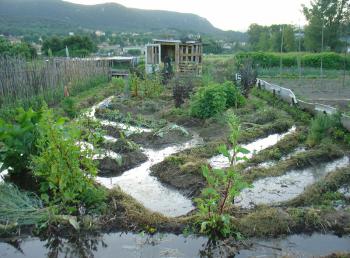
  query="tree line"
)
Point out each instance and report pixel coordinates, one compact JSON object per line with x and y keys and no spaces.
{"x":328,"y":29}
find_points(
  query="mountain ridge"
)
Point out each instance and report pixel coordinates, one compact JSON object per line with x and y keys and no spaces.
{"x":108,"y":16}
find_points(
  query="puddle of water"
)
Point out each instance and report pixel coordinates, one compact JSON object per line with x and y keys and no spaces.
{"x":129,"y":129}
{"x":345,"y":190}
{"x":3,"y":174}
{"x":110,"y":139}
{"x":104,"y":103}
{"x":147,"y":189}
{"x":286,"y":187}
{"x":169,"y":245}
{"x":220,"y":161}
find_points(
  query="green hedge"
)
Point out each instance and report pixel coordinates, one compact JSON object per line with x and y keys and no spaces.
{"x":331,"y":60}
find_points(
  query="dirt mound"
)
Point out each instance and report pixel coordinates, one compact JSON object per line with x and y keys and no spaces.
{"x":151,"y":140}
{"x":187,"y":179}
{"x":109,"y":167}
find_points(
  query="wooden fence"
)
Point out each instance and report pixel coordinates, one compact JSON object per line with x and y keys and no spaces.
{"x":22,"y":80}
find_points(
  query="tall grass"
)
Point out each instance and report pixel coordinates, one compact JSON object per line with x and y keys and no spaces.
{"x":20,"y":208}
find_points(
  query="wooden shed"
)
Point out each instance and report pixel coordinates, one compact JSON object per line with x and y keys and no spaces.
{"x":184,"y":57}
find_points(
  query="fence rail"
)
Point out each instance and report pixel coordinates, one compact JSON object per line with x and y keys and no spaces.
{"x":288,"y":96}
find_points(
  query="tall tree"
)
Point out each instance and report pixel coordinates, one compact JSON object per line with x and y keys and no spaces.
{"x":328,"y":16}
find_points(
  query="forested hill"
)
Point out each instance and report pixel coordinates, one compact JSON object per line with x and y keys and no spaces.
{"x":60,"y":16}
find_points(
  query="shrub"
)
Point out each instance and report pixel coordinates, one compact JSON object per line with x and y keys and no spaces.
{"x":65,"y":169}
{"x":234,"y":98}
{"x":322,"y":127}
{"x":208,"y":101}
{"x":214,"y":99}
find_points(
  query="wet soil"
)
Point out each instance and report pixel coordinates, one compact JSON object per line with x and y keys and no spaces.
{"x":110,"y":167}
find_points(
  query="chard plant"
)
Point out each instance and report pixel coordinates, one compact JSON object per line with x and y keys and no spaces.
{"x":223,"y":185}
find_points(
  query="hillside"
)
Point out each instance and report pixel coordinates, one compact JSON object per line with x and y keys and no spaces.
{"x":59,"y":16}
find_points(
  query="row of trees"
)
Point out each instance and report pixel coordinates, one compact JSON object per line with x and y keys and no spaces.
{"x":78,"y":46}
{"x":328,"y":28}
{"x":22,"y":49}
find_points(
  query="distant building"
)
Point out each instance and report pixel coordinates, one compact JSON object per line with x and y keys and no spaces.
{"x":100,"y":33}
{"x":104,"y":49}
{"x":183,"y":56}
{"x":71,"y":33}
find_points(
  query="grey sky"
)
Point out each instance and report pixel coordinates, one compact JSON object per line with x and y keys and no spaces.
{"x":225,"y":14}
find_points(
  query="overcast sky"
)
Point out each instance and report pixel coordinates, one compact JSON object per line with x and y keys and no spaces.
{"x":225,"y":14}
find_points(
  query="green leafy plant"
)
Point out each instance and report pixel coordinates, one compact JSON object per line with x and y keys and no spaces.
{"x":64,"y":168}
{"x":222,"y":187}
{"x":18,"y":141}
{"x":208,"y":101}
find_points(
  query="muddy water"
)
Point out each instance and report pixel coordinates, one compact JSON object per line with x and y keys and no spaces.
{"x":220,"y":161}
{"x":132,"y":245}
{"x":137,"y":181}
{"x":272,"y":190}
{"x":345,"y":190}
{"x":147,"y":189}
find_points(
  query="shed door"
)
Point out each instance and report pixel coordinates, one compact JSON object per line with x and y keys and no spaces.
{"x":153,"y":54}
{"x":152,"y":58}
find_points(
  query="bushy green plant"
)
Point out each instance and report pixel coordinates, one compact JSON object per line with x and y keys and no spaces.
{"x":222,"y":187}
{"x":234,"y":98}
{"x":208,"y":101}
{"x":322,"y":127}
{"x":18,"y":141}
{"x":65,"y":169}
{"x":214,"y":99}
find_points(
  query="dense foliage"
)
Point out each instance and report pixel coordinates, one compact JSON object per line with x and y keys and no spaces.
{"x":214,"y":98}
{"x":65,"y":169}
{"x":269,"y":38}
{"x":327,"y":17}
{"x":18,"y":141}
{"x":36,"y":145}
{"x":22,"y":49}
{"x":78,"y":46}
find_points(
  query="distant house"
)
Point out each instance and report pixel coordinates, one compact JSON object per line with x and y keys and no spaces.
{"x":99,"y":33}
{"x":184,"y":56}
